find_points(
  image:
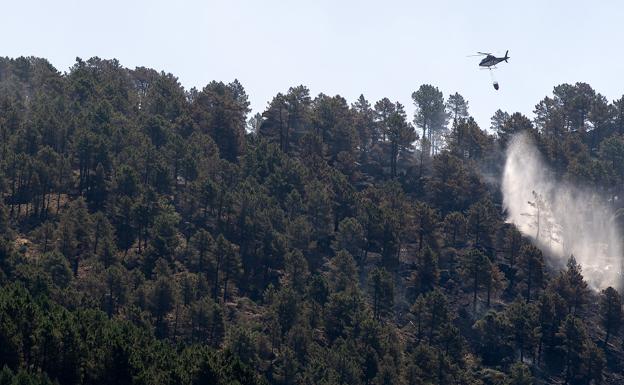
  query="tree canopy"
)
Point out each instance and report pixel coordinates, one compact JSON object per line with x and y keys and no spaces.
{"x":151,"y":234}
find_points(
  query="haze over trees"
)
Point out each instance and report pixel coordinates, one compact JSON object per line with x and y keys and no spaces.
{"x":154,"y":235}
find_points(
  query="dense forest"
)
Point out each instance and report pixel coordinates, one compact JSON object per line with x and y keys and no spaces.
{"x":155,"y":235}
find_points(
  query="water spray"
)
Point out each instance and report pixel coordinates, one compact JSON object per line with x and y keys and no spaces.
{"x":560,"y":218}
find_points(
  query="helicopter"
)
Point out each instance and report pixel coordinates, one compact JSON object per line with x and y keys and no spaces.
{"x":489,"y":62}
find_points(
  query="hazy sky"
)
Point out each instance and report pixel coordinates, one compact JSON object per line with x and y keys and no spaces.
{"x":378,"y":48}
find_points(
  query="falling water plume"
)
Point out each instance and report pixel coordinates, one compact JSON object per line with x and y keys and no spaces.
{"x":560,"y":218}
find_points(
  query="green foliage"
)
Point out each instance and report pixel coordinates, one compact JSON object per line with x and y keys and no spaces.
{"x":146,"y":237}
{"x":343,"y":275}
{"x":457,"y":107}
{"x":520,"y":375}
{"x":523,"y":319}
{"x":493,"y":338}
{"x":343,"y":312}
{"x":56,"y":265}
{"x":582,"y":360}
{"x":350,"y":237}
{"x":531,"y":269}
{"x":381,"y":290}
{"x":611,"y":312}
{"x":476,"y":270}
{"x":482,"y":220}
{"x":430,"y":113}
{"x":220,"y":110}
{"x":427,"y":273}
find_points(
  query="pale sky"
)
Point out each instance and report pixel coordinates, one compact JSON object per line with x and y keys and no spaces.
{"x":376,"y":48}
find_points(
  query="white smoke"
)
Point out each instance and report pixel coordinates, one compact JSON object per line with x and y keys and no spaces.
{"x":561,"y":219}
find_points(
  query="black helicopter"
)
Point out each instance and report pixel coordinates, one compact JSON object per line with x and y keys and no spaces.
{"x":490,"y":60}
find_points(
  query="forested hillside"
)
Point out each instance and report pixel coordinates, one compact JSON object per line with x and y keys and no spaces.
{"x":155,"y":235}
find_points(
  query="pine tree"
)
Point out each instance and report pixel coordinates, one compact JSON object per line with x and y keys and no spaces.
{"x":366,"y":127}
{"x":343,"y":275}
{"x":475,"y":267}
{"x":454,"y":229}
{"x":384,"y":109}
{"x":575,"y":291}
{"x":204,"y":322}
{"x":74,"y":234}
{"x":202,"y":245}
{"x":274,"y":127}
{"x":227,"y":266}
{"x":467,"y":141}
{"x":512,"y":243}
{"x":296,"y":270}
{"x":343,"y":312}
{"x":117,"y":289}
{"x":401,"y":136}
{"x":381,"y":290}
{"x":498,"y":120}
{"x":493,"y":338}
{"x":438,"y":315}
{"x":56,"y":265}
{"x":510,"y":126}
{"x":427,"y":273}
{"x":161,"y":302}
{"x":426,"y":225}
{"x":221,"y":111}
{"x":583,"y":362}
{"x":164,"y":235}
{"x":523,"y":319}
{"x":482,"y":221}
{"x":333,"y":124}
{"x":104,"y":245}
{"x":350,"y":237}
{"x":456,"y":107}
{"x":494,"y":282}
{"x":430,"y":114}
{"x":44,"y":235}
{"x":531,"y":270}
{"x":611,"y":312}
{"x":124,"y":226}
{"x":520,"y":375}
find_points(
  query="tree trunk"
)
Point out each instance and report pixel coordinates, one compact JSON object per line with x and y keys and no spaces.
{"x":528,"y":299}
{"x":476,"y":285}
{"x":225,"y":283}
{"x":216,"y":285}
